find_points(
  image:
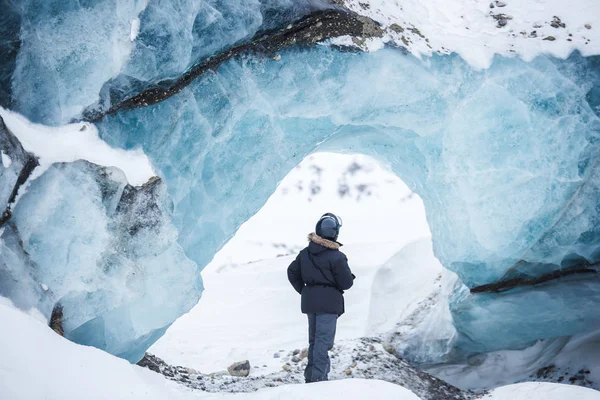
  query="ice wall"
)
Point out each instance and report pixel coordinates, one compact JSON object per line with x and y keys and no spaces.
{"x":75,"y":55}
{"x":505,"y":160}
{"x":105,"y":251}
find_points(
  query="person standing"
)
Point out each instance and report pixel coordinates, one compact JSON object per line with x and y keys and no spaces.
{"x":320,"y":273}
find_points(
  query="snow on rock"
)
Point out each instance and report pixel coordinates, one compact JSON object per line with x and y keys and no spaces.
{"x":477,"y":30}
{"x":542,"y":391}
{"x":74,"y":142}
{"x":135,"y":29}
{"x":6,"y":160}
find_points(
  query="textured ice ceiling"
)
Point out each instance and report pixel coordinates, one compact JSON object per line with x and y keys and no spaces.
{"x":505,"y":159}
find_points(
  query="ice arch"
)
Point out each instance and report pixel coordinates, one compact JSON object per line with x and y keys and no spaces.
{"x":498,"y":156}
{"x":504,"y":159}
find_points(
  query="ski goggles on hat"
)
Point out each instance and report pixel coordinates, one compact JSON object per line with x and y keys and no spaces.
{"x":338,"y":220}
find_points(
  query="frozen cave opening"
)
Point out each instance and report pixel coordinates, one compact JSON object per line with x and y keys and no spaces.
{"x":248,"y":311}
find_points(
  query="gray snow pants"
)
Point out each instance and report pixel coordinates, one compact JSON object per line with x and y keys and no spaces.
{"x":321,"y":333}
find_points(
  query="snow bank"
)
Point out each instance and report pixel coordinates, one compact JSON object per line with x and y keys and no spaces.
{"x":74,"y":142}
{"x":37,"y":363}
{"x":348,"y":389}
{"x":542,"y":391}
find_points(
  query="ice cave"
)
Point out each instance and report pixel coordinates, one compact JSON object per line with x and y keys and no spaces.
{"x":224,"y":98}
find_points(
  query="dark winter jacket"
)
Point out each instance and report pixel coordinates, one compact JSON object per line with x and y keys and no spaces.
{"x":320,"y":273}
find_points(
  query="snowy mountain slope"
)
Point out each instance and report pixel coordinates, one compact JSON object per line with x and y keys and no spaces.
{"x":375,"y":205}
{"x":479,"y":29}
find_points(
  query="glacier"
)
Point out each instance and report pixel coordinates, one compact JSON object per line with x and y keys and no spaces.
{"x":504,"y":158}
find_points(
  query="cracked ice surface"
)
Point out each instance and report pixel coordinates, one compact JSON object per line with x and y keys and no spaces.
{"x":504,"y":159}
{"x":497,"y":156}
{"x":108,"y":253}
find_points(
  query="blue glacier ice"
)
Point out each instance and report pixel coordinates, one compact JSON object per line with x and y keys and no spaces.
{"x":108,"y":254}
{"x":505,"y":160}
{"x":74,"y":54}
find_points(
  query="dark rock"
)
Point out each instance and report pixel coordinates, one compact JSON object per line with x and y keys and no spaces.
{"x":56,"y":320}
{"x":396,"y":28}
{"x":296,"y":352}
{"x":549,"y":38}
{"x":545,"y":372}
{"x":152,"y":362}
{"x":13,"y":176}
{"x":588,"y":26}
{"x":241,"y":368}
{"x":557,"y":23}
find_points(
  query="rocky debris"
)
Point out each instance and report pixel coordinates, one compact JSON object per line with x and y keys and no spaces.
{"x":303,"y":354}
{"x":588,"y":26}
{"x":396,"y":28}
{"x":552,"y":373}
{"x":240,"y":368}
{"x":497,"y":4}
{"x":549,"y":38}
{"x":501,"y":19}
{"x":355,"y":356}
{"x":276,"y":355}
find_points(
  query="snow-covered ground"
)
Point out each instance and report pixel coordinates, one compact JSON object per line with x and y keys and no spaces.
{"x":479,"y":29}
